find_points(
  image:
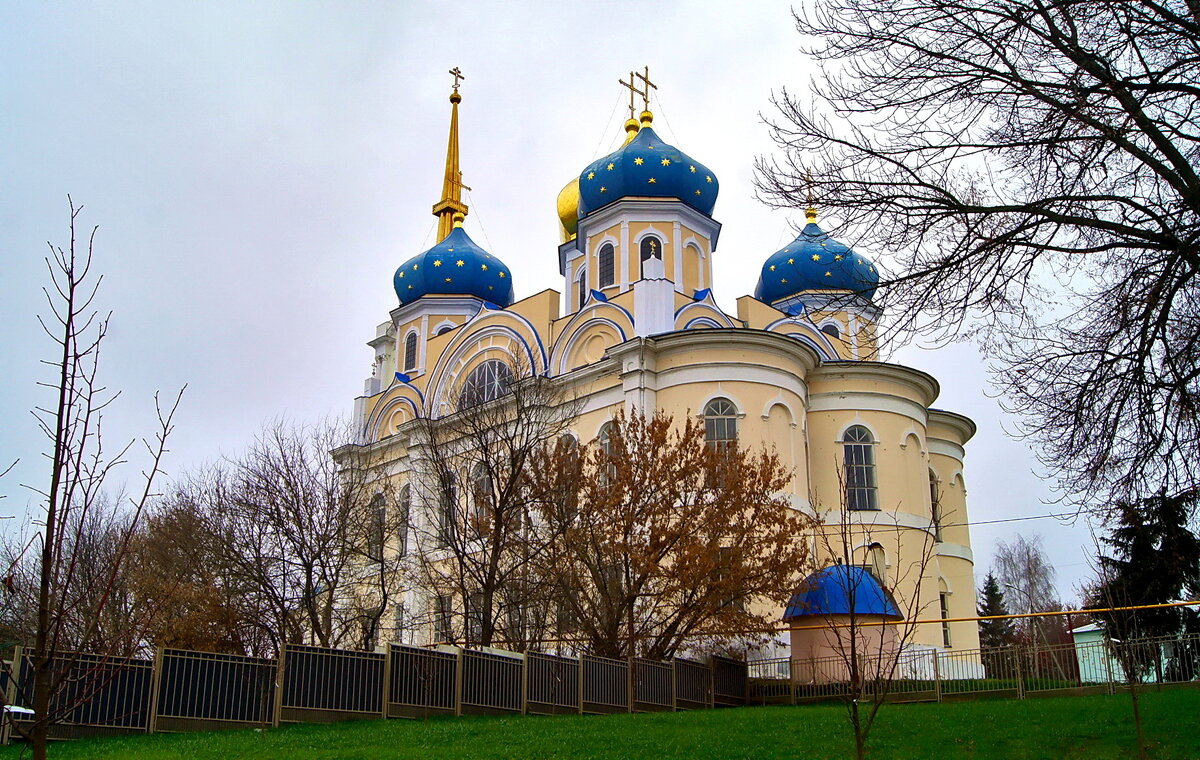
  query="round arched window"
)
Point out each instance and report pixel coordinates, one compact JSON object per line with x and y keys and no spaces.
{"x":720,"y":423}
{"x":487,"y":382}
{"x":859,"y":450}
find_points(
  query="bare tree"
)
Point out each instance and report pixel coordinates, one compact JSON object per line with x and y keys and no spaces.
{"x":665,"y":537}
{"x":867,"y":629}
{"x":77,"y":591}
{"x":486,"y":541}
{"x":1032,"y":165}
{"x":1021,"y":566}
{"x":292,"y":538}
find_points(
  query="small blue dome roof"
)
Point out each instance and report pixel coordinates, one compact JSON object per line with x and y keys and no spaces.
{"x":815,"y":261}
{"x":455,"y":266}
{"x":829,"y":591}
{"x":647,"y":166}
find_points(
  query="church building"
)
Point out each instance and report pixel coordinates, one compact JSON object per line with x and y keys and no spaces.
{"x":636,"y":326}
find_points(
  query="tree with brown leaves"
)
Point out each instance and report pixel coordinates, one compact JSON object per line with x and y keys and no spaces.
{"x":664,"y":542}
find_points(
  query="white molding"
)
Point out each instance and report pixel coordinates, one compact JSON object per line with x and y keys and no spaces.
{"x":946,"y":448}
{"x":865,"y":401}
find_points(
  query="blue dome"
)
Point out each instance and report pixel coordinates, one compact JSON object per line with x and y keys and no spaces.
{"x":455,"y":266}
{"x":815,"y":261}
{"x":647,"y":166}
{"x":829,"y":591}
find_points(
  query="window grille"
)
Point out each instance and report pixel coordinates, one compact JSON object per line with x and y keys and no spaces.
{"x":859,"y":463}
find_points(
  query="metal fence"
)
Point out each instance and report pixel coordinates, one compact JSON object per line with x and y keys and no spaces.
{"x":927,"y":674}
{"x":201,"y":691}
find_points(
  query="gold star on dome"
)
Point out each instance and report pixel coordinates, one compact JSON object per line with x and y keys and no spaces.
{"x":783,"y":281}
{"x":772,"y":267}
{"x":829,"y":274}
{"x":639,"y":161}
{"x":652,"y":180}
{"x":611,"y":167}
{"x":460,"y":263}
{"x":837,"y":257}
{"x":447,"y":279}
{"x":697,"y":192}
{"x":693,"y":169}
{"x":791,"y":261}
{"x":490,"y":287}
{"x":707,"y":178}
{"x":437,"y":262}
{"x":591,"y":175}
{"x":502,"y":275}
{"x":450,"y":249}
{"x":816,"y":257}
{"x":415,"y":266}
{"x":483,"y":267}
{"x":604,"y":189}
{"x":401,"y":275}
{"x":410,"y":287}
{"x":666,"y":162}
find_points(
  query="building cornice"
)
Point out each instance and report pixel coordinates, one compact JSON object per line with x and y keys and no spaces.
{"x":960,"y":423}
{"x":923,"y":383}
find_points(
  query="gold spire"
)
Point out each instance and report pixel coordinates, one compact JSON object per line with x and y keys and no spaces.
{"x":451,"y":204}
{"x":810,"y":213}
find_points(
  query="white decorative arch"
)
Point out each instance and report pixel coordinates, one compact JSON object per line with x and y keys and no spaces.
{"x":912,"y":433}
{"x":651,"y":230}
{"x":384,"y":411}
{"x":740,"y":409}
{"x":489,"y":337}
{"x":444,"y":323}
{"x":858,"y":420}
{"x":778,"y":401}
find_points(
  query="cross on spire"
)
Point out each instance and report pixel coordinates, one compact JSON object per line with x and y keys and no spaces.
{"x":633,"y":90}
{"x":457,"y":74}
{"x":647,"y":85}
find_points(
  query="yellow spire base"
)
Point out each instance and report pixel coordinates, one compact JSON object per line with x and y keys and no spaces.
{"x":451,"y":206}
{"x":810,"y":213}
{"x":631,"y":130}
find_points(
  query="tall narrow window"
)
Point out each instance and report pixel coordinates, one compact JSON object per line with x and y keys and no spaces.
{"x":859,"y":452}
{"x":481,"y":500}
{"x":583,"y":288}
{"x":607,"y":266}
{"x":944,"y":601}
{"x":376,"y":522}
{"x":405,"y":508}
{"x":443,"y":618}
{"x":399,"y":622}
{"x":876,"y":563}
{"x":446,"y":508}
{"x":410,"y":351}
{"x":720,"y":424}
{"x":567,"y":498}
{"x":605,"y":439}
{"x":487,"y":382}
{"x":475,"y":618}
{"x":935,"y":507}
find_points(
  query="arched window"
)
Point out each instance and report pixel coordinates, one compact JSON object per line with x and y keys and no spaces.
{"x":583,"y":288}
{"x":651,"y":248}
{"x":935,"y":508}
{"x":877,"y":563}
{"x":405,"y":506}
{"x":487,"y":382}
{"x":859,"y":452}
{"x":376,"y":527}
{"x":567,"y":498}
{"x":720,"y":423}
{"x":410,"y":351}
{"x":481,"y":500}
{"x":607,"y":266}
{"x":832,"y":331}
{"x":444,"y":329}
{"x":605,"y":439}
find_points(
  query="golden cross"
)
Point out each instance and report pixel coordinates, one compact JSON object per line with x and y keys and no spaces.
{"x":632,"y":85}
{"x":646,"y":88}
{"x":454,"y":72}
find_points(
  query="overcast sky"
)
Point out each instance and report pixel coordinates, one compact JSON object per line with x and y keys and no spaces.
{"x":259,"y":170}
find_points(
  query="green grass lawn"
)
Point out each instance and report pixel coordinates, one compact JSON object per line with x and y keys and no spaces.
{"x":1088,"y":728}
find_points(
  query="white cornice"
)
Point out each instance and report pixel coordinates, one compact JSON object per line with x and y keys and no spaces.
{"x":959,"y":423}
{"x":923,"y":383}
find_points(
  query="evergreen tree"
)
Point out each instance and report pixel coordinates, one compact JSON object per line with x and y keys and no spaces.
{"x":1157,"y":560}
{"x":994,"y":633}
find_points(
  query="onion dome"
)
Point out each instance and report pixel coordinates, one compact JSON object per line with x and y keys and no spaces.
{"x":815,"y":261}
{"x":647,"y":167}
{"x":455,"y":266}
{"x":841,"y":590}
{"x":568,"y":210}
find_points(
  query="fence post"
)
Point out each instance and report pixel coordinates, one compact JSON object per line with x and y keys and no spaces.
{"x":387,"y":681}
{"x":458,"y":682}
{"x":1016,"y":653}
{"x":524,"y":683}
{"x":1112,"y":685}
{"x":155,"y":685}
{"x":937,"y":676}
{"x":582,"y":670}
{"x":280,"y":674}
{"x":674,"y":686}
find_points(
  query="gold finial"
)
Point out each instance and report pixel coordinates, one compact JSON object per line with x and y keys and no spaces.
{"x":451,"y":204}
{"x":459,"y":219}
{"x":810,"y":213}
{"x":631,"y":130}
{"x":646,"y":86}
{"x":647,"y":119}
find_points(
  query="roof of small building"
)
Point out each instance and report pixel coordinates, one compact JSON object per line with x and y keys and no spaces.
{"x":842,"y":590}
